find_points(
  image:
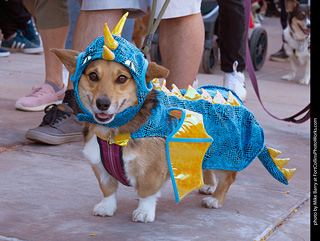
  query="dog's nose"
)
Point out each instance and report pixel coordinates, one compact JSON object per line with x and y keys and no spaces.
{"x":103,"y":103}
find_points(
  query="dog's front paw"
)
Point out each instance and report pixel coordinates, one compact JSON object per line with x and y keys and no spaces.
{"x":211,"y":202}
{"x":207,"y":190}
{"x":143,"y":216}
{"x":288,"y":77}
{"x":106,"y":208}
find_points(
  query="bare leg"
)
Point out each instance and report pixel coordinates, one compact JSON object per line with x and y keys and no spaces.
{"x":89,"y":26}
{"x":53,"y":38}
{"x":181,"y":44}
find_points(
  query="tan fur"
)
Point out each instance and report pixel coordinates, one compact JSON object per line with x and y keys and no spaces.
{"x":140,"y":29}
{"x":107,"y":188}
{"x":226,"y":178}
{"x":121,"y":96}
{"x":144,"y":159}
{"x":150,"y":167}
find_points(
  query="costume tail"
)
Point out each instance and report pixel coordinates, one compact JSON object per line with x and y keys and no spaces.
{"x":275,"y":166}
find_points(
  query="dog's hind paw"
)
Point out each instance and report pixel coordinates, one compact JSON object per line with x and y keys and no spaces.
{"x":106,"y":208}
{"x":143,"y":216}
{"x":207,"y":190}
{"x":211,"y":202}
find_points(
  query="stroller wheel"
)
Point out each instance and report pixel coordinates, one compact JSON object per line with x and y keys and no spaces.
{"x":258,"y":45}
{"x":210,"y":58}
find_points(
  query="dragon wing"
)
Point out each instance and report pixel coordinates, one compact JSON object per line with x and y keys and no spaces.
{"x":186,"y":147}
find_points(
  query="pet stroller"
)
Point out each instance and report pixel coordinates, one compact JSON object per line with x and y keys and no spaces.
{"x":258,"y":41}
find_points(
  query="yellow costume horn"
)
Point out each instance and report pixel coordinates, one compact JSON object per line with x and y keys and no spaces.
{"x":109,"y":41}
{"x":119,"y":27}
{"x":107,"y":53}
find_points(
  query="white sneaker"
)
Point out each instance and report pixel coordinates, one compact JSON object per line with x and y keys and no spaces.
{"x":195,"y":83}
{"x":236,"y":81}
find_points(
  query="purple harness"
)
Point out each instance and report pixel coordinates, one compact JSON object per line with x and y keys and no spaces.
{"x":111,"y":156}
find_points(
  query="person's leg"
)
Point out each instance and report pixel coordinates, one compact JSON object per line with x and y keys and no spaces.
{"x":13,"y":16}
{"x":232,"y":34}
{"x":280,"y":55}
{"x":181,"y":40}
{"x":53,"y":38}
{"x":232,"y":43}
{"x":14,"y":21}
{"x":181,"y":43}
{"x":53,"y":23}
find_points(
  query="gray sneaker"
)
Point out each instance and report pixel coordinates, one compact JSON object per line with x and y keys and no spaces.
{"x":19,"y":43}
{"x":60,"y":125}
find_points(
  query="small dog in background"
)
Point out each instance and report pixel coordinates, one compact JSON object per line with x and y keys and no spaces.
{"x":297,"y":39}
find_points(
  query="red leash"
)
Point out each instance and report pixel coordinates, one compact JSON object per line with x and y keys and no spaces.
{"x":255,"y":82}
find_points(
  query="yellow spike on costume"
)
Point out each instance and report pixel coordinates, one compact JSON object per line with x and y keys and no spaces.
{"x":273,"y":152}
{"x":164,"y":88}
{"x":232,"y":100}
{"x":107,"y":53}
{"x":192,"y":94}
{"x":117,"y":31}
{"x":109,"y":41}
{"x":205,"y":95}
{"x":176,"y":92}
{"x":288,"y":173}
{"x":281,"y":162}
{"x":218,"y":99}
{"x":156,"y":84}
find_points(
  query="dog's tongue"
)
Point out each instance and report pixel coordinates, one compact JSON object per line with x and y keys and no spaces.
{"x":306,"y":31}
{"x":103,"y":116}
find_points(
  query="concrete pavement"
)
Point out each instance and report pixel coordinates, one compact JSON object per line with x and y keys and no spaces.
{"x":48,"y":192}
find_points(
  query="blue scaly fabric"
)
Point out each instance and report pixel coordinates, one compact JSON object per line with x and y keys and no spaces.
{"x":237,"y":136}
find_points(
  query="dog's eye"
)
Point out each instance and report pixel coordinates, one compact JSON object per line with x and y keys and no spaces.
{"x":93,"y":76}
{"x":121,"y":79}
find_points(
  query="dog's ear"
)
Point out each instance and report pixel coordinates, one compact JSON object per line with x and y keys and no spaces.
{"x":156,"y":71}
{"x":68,"y":58}
{"x":291,"y":5}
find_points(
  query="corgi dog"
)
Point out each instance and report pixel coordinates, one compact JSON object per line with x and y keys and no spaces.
{"x":140,"y":134}
{"x":107,"y":88}
{"x":296,"y":38}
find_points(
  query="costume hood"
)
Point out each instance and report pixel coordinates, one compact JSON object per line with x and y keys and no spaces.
{"x":113,"y":47}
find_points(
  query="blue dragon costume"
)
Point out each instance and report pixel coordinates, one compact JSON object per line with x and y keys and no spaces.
{"x":205,"y":128}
